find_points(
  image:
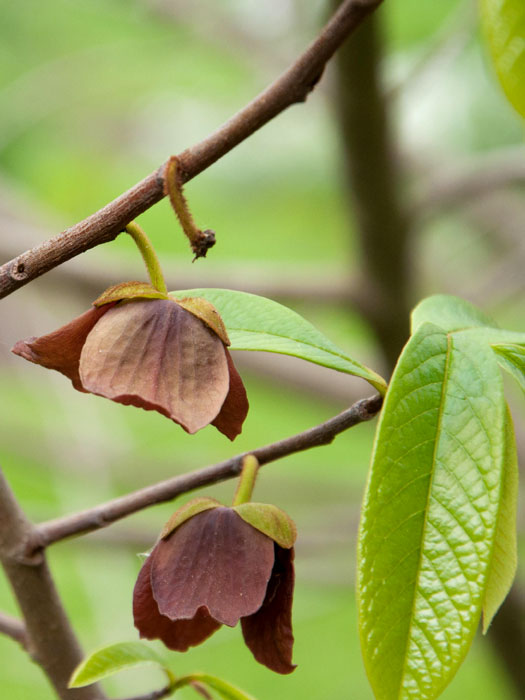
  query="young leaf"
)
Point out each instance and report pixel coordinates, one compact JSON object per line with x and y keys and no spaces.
{"x":257,"y":323}
{"x":511,"y":357}
{"x":504,"y":27}
{"x":450,"y":313}
{"x":112,"y":659}
{"x":222,"y":687}
{"x":504,"y":560}
{"x":430,"y":513}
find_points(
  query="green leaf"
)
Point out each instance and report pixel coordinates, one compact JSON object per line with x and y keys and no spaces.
{"x":257,"y":323}
{"x":112,"y":659}
{"x":504,"y":560}
{"x":430,"y":513}
{"x":511,"y":357}
{"x":450,"y":313}
{"x":223,"y":688}
{"x":503,"y":24}
{"x":187,"y":511}
{"x":271,"y":521}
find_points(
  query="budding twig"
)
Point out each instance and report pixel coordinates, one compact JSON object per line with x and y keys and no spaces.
{"x":291,"y":87}
{"x":11,"y":627}
{"x":103,"y":515}
{"x":200,"y":241}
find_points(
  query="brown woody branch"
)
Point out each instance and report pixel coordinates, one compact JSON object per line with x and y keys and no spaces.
{"x":102,"y":515}
{"x":11,"y":627}
{"x":48,"y":632}
{"x":103,"y":226}
{"x":154,"y":695}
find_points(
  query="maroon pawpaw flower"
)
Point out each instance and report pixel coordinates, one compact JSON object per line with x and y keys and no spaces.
{"x":215,"y":566}
{"x":142,"y":348}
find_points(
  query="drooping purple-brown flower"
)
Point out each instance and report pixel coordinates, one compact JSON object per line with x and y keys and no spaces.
{"x":142,"y":348}
{"x":214,"y":566}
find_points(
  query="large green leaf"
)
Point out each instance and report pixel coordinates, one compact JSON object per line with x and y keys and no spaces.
{"x":112,"y":659}
{"x":504,"y":560}
{"x":257,"y":323}
{"x":430,"y":512}
{"x":504,"y":27}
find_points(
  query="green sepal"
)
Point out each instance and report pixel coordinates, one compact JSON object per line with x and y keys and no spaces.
{"x":206,"y":312}
{"x":129,"y":290}
{"x":271,"y":521}
{"x":187,"y":511}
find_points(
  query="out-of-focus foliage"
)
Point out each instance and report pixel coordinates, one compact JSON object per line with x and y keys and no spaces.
{"x":96,"y":95}
{"x":504,"y":26}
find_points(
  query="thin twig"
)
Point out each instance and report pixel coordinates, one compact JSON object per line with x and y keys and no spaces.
{"x":11,"y":627}
{"x":154,"y":695}
{"x":103,"y":226}
{"x":453,"y":186}
{"x":104,"y":514}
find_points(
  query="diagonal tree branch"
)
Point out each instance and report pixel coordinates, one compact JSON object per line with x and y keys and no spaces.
{"x":154,"y":695}
{"x":103,"y":226}
{"x":52,"y":641}
{"x":11,"y":627}
{"x":102,"y":515}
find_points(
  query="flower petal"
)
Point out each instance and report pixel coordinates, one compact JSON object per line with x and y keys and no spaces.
{"x":235,"y":408}
{"x":61,"y":349}
{"x":215,"y":560}
{"x":178,"y":636}
{"x":155,"y":355}
{"x":268,"y":632}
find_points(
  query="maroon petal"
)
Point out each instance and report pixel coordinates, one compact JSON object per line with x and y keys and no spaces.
{"x":235,"y":408}
{"x":155,"y":355}
{"x":215,"y":560}
{"x":61,"y":349}
{"x":178,"y":636}
{"x":268,"y":632}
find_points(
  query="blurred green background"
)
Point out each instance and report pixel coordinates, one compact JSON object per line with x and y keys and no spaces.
{"x":95,"y":95}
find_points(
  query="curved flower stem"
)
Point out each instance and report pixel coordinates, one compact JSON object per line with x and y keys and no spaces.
{"x":148,"y":255}
{"x":200,"y":241}
{"x":250,"y":467}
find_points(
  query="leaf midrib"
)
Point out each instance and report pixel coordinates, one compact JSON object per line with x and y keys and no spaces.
{"x":427,"y":506}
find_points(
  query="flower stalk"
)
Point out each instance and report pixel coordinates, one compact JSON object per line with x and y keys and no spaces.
{"x":200,"y":241}
{"x":250,"y":468}
{"x":149,"y":256}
